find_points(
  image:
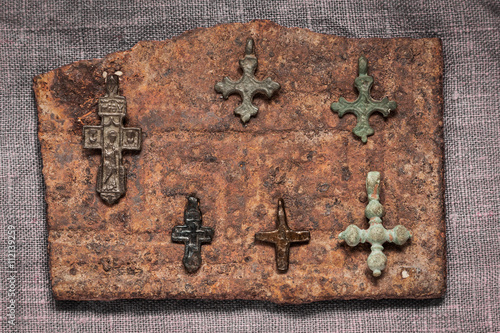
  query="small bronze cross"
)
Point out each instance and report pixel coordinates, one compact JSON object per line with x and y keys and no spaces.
{"x":364,"y":105}
{"x":112,"y":138}
{"x":282,"y":237}
{"x":376,"y":234}
{"x":192,"y":234}
{"x":247,"y":87}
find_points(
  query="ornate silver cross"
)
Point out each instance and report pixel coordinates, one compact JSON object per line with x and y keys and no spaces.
{"x":193,"y":234}
{"x":376,"y":234}
{"x":247,"y":87}
{"x":112,"y":138}
{"x":364,"y":105}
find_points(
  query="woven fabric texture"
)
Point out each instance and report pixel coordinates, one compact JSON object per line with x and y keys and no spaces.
{"x":37,"y":36}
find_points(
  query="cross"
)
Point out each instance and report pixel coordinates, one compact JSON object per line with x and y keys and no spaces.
{"x":247,"y":87}
{"x":364,"y":105}
{"x":192,"y":234}
{"x":112,"y":138}
{"x":282,"y":238}
{"x":376,"y":234}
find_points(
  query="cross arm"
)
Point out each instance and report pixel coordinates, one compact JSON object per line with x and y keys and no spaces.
{"x":180,"y":234}
{"x":282,"y":255}
{"x":298,"y":236}
{"x":132,"y":137}
{"x":92,"y":137}
{"x":398,"y":235}
{"x":226,"y":87}
{"x":343,"y":106}
{"x":206,"y":234}
{"x":267,"y":236}
{"x":246,"y":110}
{"x":384,"y":106}
{"x":267,"y":87}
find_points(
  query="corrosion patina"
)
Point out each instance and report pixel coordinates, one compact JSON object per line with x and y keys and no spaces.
{"x":248,"y":86}
{"x":364,"y":105}
{"x":376,"y":234}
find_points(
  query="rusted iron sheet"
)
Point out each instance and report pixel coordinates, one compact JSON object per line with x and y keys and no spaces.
{"x":296,"y":149}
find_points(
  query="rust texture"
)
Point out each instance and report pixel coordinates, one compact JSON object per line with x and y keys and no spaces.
{"x":296,"y":148}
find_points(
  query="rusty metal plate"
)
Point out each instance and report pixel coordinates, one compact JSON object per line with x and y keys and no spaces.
{"x":296,"y":148}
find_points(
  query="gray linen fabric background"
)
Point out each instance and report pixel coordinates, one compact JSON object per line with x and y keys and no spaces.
{"x":37,"y":36}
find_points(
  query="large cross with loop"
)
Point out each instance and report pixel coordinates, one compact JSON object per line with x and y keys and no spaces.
{"x":112,"y":138}
{"x":364,"y":105}
{"x":248,"y":86}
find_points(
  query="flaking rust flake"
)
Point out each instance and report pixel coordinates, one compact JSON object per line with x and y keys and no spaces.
{"x":296,"y":149}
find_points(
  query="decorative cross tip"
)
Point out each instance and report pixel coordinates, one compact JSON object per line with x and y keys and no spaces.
{"x":112,"y":138}
{"x":376,"y":234}
{"x":192,"y":234}
{"x":282,"y":237}
{"x":364,"y":105}
{"x":248,"y":86}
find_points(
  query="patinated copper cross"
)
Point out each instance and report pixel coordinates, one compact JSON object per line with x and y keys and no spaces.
{"x":376,"y":234}
{"x":364,"y":105}
{"x":282,"y":238}
{"x":112,"y":138}
{"x":193,"y":235}
{"x":248,"y":86}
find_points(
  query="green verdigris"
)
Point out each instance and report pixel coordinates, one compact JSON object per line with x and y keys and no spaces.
{"x":364,"y":105}
{"x":248,"y":86}
{"x":376,"y":234}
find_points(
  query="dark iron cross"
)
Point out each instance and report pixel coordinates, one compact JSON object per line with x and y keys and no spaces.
{"x":364,"y":105}
{"x":282,"y":238}
{"x":248,"y":86}
{"x":112,"y":138}
{"x":192,"y":234}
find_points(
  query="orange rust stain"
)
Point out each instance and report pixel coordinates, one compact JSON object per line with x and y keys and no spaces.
{"x":84,"y":116}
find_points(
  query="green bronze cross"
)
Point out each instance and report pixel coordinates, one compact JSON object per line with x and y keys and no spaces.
{"x":248,"y":86}
{"x":376,"y":234}
{"x":364,"y":105}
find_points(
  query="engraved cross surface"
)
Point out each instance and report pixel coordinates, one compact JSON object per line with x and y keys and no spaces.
{"x":248,"y":86}
{"x":364,"y":105}
{"x":376,"y":234}
{"x":282,"y":238}
{"x":193,"y":235}
{"x":112,"y":138}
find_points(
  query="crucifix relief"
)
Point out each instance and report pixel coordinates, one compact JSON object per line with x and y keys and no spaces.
{"x":364,"y":105}
{"x":282,"y":238}
{"x":248,"y":86}
{"x":112,"y":138}
{"x":192,"y":234}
